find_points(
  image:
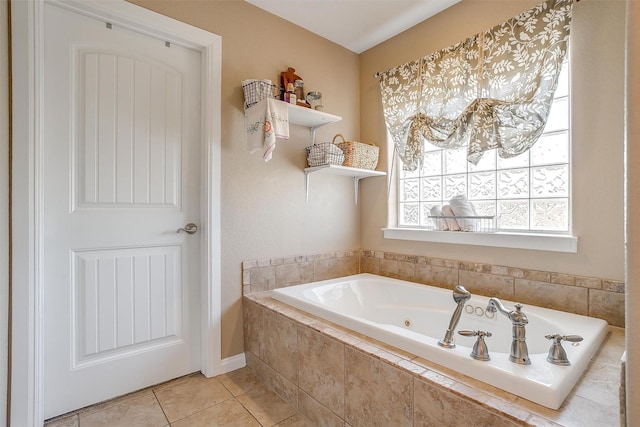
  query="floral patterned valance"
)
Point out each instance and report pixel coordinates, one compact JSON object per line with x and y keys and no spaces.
{"x":491,"y":91}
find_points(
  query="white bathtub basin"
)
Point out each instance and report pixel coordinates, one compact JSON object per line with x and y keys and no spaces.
{"x":414,"y":317}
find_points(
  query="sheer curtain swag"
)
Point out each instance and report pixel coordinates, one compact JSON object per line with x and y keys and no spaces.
{"x":491,"y":91}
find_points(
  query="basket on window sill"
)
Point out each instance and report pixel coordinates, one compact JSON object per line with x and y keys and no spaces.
{"x":324,"y":153}
{"x":357,"y":154}
{"x":476,"y":223}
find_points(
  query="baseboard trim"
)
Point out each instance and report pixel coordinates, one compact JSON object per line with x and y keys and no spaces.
{"x":232,"y":363}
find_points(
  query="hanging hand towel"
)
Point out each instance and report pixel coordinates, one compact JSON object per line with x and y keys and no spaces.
{"x":462,"y":207}
{"x":451,"y":222}
{"x":266,"y":121}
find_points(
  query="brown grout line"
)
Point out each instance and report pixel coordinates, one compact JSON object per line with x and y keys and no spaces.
{"x":249,"y":412}
{"x":159,"y":404}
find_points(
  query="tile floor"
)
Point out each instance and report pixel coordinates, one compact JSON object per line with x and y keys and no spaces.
{"x":235,"y":399}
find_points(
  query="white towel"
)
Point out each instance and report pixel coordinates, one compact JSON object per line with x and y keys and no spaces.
{"x":462,"y":207}
{"x":266,"y":121}
{"x":451,"y":222}
{"x":441,"y":223}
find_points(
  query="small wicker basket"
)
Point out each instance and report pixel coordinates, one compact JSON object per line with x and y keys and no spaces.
{"x":357,"y":154}
{"x":324,"y":153}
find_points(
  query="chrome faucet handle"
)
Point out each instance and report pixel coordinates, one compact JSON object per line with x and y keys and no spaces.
{"x":557,"y":355}
{"x":480,"y":350}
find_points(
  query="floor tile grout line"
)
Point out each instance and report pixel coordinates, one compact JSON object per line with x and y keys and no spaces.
{"x":161,"y":408}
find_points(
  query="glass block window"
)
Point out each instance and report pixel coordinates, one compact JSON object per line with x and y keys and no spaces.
{"x":530,"y":192}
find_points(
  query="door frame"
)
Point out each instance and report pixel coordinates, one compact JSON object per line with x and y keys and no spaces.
{"x":27,"y":62}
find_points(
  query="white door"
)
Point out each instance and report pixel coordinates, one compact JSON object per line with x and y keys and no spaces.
{"x":121,"y":176}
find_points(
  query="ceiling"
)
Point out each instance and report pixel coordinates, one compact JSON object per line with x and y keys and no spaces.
{"x":354,"y":24}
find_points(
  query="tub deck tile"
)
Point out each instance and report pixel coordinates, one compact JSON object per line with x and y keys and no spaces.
{"x":585,"y":406}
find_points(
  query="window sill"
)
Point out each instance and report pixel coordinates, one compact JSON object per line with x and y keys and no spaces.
{"x":540,"y":242}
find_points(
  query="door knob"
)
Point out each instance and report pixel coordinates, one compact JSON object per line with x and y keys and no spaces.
{"x":190,"y":228}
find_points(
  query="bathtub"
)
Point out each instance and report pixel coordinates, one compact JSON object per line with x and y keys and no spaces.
{"x":414,"y":317}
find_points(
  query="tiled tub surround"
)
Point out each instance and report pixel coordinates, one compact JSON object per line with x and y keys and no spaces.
{"x":336,"y":377}
{"x":376,"y":383}
{"x":588,"y":296}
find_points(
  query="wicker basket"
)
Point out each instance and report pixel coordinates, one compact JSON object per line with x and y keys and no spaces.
{"x":357,"y":154}
{"x":257,"y":90}
{"x":325,"y":153}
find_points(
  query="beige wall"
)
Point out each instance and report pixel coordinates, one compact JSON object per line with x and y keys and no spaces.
{"x":264,"y":214}
{"x":4,"y":206}
{"x":597,"y":125}
{"x":633,"y":213}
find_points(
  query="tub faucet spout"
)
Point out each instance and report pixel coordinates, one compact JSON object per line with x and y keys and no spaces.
{"x":519,"y":351}
{"x":460,"y":297}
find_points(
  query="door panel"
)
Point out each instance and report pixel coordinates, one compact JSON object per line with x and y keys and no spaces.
{"x":128,"y":135}
{"x":125,"y":300}
{"x":121,"y":175}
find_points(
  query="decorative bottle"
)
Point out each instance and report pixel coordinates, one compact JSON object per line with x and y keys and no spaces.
{"x":289,"y":95}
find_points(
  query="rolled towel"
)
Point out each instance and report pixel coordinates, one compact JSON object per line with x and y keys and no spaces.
{"x":462,"y":207}
{"x":440,"y":223}
{"x":452,"y":224}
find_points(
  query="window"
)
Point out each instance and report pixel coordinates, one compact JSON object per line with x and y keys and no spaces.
{"x":526,"y":193}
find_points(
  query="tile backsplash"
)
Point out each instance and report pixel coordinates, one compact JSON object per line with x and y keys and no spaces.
{"x":589,"y":296}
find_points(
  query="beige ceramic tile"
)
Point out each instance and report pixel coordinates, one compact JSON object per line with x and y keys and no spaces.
{"x":296,"y":421}
{"x":613,"y":286}
{"x":140,"y":412}
{"x":191,"y":396}
{"x":239,"y":381}
{"x":321,"y":372}
{"x":607,"y":305}
{"x":436,"y":407}
{"x":589,"y":282}
{"x":249,"y":264}
{"x":266,"y":406}
{"x":558,"y":297}
{"x":253,"y":331}
{"x":117,"y":400}
{"x":376,"y":393}
{"x":475,"y":266}
{"x":596,"y":384}
{"x":64,"y":421}
{"x":263,"y":279}
{"x":294,"y":274}
{"x":173,"y":382}
{"x":336,"y":267}
{"x":612,"y":347}
{"x":397,"y":269}
{"x":436,"y":276}
{"x":229,"y":413}
{"x":282,"y":386}
{"x":563,"y":279}
{"x":256,"y":366}
{"x":369,"y":264}
{"x":447,"y":263}
{"x":490,"y":285}
{"x":581,"y":412}
{"x":281,"y":345}
{"x":401,"y":257}
{"x":319,"y":415}
{"x":521,"y":273}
